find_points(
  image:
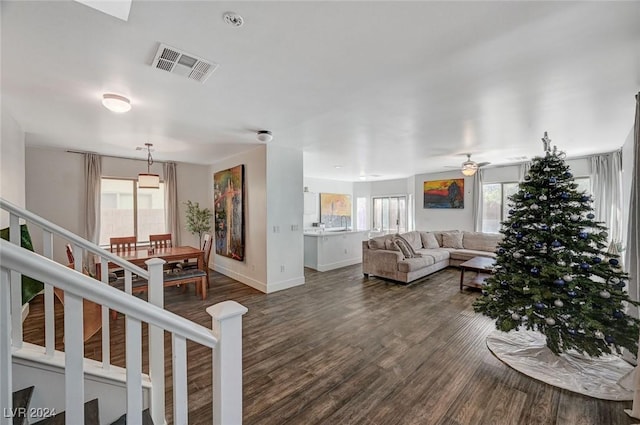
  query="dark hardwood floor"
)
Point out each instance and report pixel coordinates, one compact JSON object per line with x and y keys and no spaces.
{"x":344,"y":349}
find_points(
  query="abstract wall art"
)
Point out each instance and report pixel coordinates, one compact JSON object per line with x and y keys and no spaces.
{"x":335,"y":210}
{"x":228,"y":195}
{"x":444,"y":193}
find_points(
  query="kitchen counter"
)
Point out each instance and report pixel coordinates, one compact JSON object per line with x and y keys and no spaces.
{"x":318,"y":233}
{"x":333,"y":249}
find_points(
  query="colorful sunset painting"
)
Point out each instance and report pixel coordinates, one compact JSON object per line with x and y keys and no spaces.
{"x":228,"y":200}
{"x":444,"y":193}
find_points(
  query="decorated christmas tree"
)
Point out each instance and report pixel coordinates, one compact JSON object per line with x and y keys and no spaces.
{"x":553,"y":273}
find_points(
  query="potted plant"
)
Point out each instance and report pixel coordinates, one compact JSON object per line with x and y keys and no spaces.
{"x":198,"y":219}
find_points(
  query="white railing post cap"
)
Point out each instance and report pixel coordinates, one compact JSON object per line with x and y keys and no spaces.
{"x":154,"y":261}
{"x":226,"y":310}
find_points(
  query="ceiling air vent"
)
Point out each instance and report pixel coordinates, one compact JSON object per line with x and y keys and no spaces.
{"x":182,"y":63}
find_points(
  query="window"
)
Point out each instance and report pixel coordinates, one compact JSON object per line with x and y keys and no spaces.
{"x":495,"y":202}
{"x":361,"y":213}
{"x":126,"y":209}
{"x":390,"y":214}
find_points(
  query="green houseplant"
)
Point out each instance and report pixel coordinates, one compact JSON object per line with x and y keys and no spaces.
{"x":198,"y":219}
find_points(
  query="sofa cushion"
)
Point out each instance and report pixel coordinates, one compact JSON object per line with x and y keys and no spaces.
{"x":438,"y":234}
{"x":413,"y":238}
{"x":452,"y":240}
{"x":481,"y":241}
{"x":412,"y":264}
{"x":438,"y":255}
{"x":468,"y":254}
{"x":377,"y":243}
{"x":429,"y":240}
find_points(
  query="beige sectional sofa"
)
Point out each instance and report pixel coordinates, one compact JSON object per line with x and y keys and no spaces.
{"x":434,"y":251}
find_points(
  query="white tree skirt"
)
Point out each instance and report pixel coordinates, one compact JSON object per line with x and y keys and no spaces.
{"x":600,"y":377}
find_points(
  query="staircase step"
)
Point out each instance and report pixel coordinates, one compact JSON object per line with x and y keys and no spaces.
{"x":91,"y":415}
{"x":146,"y":419}
{"x":20,"y":405}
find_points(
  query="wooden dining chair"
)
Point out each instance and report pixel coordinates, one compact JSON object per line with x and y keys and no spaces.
{"x":160,"y":241}
{"x":206,"y":247}
{"x":70,"y":255}
{"x":126,"y":243}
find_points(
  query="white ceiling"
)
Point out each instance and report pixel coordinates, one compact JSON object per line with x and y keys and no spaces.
{"x":380,"y":88}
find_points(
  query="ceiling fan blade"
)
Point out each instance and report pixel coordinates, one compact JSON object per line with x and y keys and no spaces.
{"x":482,"y":164}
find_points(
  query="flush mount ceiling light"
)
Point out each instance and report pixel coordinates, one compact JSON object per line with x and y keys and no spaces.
{"x":148,"y":180}
{"x":264,"y":136}
{"x":116,"y":103}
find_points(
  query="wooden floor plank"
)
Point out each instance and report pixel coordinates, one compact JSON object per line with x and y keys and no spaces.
{"x":344,"y":349}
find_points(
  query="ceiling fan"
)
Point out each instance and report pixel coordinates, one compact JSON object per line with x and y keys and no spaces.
{"x":469,"y":167}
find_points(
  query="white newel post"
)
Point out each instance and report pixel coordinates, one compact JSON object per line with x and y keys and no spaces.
{"x":156,"y":341}
{"x":227,"y":362}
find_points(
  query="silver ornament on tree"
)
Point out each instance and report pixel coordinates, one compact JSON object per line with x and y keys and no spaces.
{"x":515,"y":316}
{"x":605,"y":294}
{"x":550,"y":321}
{"x":558,"y":303}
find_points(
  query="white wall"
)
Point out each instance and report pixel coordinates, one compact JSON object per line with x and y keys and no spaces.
{"x":54,"y":189}
{"x":12,"y":164}
{"x":440,"y":218}
{"x":318,"y":186}
{"x":194,"y":183}
{"x":285,"y":245}
{"x":253,"y":270}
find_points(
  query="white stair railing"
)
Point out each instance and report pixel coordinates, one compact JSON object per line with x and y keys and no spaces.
{"x":76,"y":286}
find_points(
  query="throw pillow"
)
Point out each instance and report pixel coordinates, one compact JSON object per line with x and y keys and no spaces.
{"x":404,"y":247}
{"x":390,"y":245}
{"x":429,"y":240}
{"x":452,"y":240}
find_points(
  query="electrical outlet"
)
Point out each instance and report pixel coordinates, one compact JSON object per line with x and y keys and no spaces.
{"x":276,"y":229}
{"x":345,"y":250}
{"x":281,"y":269}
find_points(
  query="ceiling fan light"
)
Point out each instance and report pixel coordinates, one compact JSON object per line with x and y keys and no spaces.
{"x":469,"y":168}
{"x":116,"y":103}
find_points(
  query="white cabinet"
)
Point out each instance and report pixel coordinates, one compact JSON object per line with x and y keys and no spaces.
{"x":310,"y":203}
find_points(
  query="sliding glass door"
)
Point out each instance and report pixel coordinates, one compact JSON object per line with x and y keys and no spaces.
{"x":390,"y":214}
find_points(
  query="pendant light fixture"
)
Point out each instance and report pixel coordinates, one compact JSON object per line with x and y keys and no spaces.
{"x":148,"y":180}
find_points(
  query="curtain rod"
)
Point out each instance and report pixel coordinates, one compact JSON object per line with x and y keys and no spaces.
{"x":117,"y":157}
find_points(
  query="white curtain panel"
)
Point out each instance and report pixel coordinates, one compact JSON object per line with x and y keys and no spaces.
{"x":606,"y":188}
{"x":633,"y":242}
{"x":524,"y":170}
{"x":171,"y":201}
{"x":477,"y":200}
{"x":92,"y":177}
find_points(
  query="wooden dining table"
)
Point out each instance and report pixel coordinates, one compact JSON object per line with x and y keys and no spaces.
{"x":139,"y":255}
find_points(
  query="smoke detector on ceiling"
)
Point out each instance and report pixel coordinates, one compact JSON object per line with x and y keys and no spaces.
{"x":264,"y":136}
{"x":182,"y":63}
{"x":233,"y":19}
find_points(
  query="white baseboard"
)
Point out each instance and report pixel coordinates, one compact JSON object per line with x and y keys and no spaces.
{"x":256,"y":284}
{"x":285,"y":284}
{"x":338,"y":264}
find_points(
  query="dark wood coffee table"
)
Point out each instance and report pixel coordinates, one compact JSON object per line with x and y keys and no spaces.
{"x":483,"y":266}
